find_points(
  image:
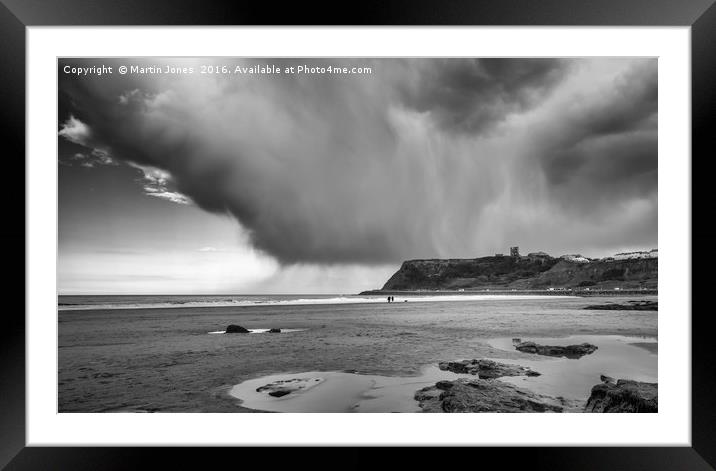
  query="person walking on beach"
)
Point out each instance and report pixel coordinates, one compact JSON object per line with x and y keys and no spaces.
{"x":388,"y":299}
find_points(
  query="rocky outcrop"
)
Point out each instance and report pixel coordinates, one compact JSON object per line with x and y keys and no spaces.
{"x":236,"y":329}
{"x":623,"y":396}
{"x":535,"y":271}
{"x":486,"y":369}
{"x":285,"y":387}
{"x":568,"y":351}
{"x":480,"y":395}
{"x":643,"y":305}
{"x":465,"y":273}
{"x":607,"y":379}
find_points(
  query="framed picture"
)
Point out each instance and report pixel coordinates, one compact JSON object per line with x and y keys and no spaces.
{"x":414,"y":226}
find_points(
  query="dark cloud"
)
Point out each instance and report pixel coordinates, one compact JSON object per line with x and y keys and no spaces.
{"x":608,"y":149}
{"x":474,"y":95}
{"x":406,"y":162}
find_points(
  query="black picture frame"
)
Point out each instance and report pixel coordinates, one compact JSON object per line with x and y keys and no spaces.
{"x":16,"y":15}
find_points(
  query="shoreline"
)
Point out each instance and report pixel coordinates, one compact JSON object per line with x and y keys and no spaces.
{"x":318,"y":301}
{"x":576,"y":292}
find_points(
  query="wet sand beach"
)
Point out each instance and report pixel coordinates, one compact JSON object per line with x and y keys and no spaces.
{"x":166,"y":360}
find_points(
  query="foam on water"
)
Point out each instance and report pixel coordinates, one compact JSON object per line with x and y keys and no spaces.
{"x":267,"y":301}
{"x":259,"y":331}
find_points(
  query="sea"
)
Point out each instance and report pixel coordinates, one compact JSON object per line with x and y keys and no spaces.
{"x":108,"y":302}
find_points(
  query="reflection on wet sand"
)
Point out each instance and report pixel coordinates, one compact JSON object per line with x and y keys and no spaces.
{"x":566,"y":380}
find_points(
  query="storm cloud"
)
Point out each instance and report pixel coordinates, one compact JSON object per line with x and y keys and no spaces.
{"x":420,"y":158}
{"x":473,"y":95}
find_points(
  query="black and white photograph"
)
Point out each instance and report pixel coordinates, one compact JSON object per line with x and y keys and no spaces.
{"x":357,"y":235}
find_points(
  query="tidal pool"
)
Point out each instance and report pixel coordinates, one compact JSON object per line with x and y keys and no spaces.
{"x":335,"y":391}
{"x":616,"y":356}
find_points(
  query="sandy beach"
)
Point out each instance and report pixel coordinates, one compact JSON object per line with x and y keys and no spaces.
{"x":166,"y":360}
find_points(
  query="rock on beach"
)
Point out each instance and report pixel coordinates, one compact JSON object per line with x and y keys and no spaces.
{"x":236,"y":329}
{"x":481,"y":395}
{"x":623,"y":396}
{"x":569,"y":351}
{"x":486,"y":369}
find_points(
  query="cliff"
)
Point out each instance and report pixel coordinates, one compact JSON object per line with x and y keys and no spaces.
{"x":524,"y":272}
